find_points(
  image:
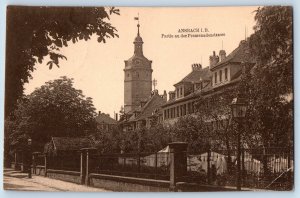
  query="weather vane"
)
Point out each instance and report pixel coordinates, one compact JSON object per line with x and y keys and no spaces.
{"x":154,"y":83}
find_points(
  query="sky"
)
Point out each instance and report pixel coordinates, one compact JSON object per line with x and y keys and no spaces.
{"x":97,"y":68}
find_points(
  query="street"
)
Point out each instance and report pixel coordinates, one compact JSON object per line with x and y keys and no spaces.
{"x":15,"y":180}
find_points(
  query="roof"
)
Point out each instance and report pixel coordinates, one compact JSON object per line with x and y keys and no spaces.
{"x":103,"y":118}
{"x":195,"y":75}
{"x":239,"y":54}
{"x":196,"y":93}
{"x":154,"y":103}
{"x":70,"y":143}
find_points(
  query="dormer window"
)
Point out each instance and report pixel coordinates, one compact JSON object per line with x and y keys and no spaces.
{"x":216,"y":77}
{"x":226,"y":74}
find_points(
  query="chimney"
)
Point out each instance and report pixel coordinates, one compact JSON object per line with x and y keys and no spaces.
{"x":196,"y":67}
{"x":222,"y":55}
{"x":213,"y":59}
{"x":116,"y":116}
{"x":165,"y":97}
{"x":171,"y":95}
{"x":99,"y":112}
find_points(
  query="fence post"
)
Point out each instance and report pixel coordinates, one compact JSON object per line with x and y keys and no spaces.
{"x":139,"y":162}
{"x":34,"y":156}
{"x":16,"y":160}
{"x":243,"y":165}
{"x":155,"y":165}
{"x":208,"y":165}
{"x":46,"y":164}
{"x":87,"y":164}
{"x":178,"y":162}
{"x":82,"y":165}
{"x":289,"y":164}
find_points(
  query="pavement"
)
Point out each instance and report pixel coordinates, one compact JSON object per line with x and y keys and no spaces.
{"x":17,"y":181}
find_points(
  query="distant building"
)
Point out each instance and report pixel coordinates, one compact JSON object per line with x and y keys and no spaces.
{"x":66,"y":145}
{"x":142,"y":106}
{"x":181,"y":101}
{"x":105,"y":122}
{"x":148,"y":114}
{"x":137,"y":77}
{"x":223,"y":71}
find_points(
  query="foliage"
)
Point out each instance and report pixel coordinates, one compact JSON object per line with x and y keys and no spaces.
{"x":139,"y":140}
{"x":34,"y":33}
{"x":193,"y":131}
{"x":271,"y":82}
{"x":54,"y":109}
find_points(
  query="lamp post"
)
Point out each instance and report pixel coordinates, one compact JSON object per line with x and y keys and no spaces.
{"x":238,"y":111}
{"x":29,"y":141}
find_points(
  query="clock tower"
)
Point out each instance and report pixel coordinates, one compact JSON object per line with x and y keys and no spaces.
{"x":137,"y":77}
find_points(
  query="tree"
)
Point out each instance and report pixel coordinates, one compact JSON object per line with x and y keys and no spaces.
{"x":139,"y":140}
{"x":36,"y":32}
{"x":54,"y":109}
{"x":271,"y":89}
{"x":192,"y":130}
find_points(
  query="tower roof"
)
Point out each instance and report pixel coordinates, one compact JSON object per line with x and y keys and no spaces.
{"x":138,"y":38}
{"x":138,"y":59}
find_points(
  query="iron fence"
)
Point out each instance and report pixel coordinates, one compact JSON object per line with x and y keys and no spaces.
{"x":39,"y":159}
{"x":143,"y":165}
{"x":264,"y":168}
{"x":268,"y":168}
{"x":68,"y":162}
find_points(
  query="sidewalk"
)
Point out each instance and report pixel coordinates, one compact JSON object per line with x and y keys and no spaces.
{"x":15,"y":180}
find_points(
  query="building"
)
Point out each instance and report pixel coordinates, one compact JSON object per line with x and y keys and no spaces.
{"x":66,"y":145}
{"x":181,"y":101}
{"x":137,"y":77}
{"x":222,"y":72}
{"x":148,"y":114}
{"x":142,"y":106}
{"x":105,"y":122}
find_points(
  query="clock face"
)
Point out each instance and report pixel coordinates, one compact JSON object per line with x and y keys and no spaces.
{"x":137,"y":61}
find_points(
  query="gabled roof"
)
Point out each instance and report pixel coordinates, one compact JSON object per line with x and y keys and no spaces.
{"x":70,"y":143}
{"x":195,"y":75}
{"x":155,"y":102}
{"x":239,"y":54}
{"x":103,"y":118}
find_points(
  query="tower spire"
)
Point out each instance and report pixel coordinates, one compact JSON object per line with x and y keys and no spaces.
{"x":138,"y":25}
{"x":138,"y":41}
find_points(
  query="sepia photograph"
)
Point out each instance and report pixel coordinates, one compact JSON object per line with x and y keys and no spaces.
{"x":149,"y":99}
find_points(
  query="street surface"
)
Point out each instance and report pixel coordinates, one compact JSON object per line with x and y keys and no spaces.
{"x":15,"y":180}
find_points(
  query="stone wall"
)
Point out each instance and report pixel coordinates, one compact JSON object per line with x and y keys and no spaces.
{"x":69,"y":176}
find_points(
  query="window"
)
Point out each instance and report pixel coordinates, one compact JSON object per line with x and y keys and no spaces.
{"x":216,"y":75}
{"x":220,"y":73}
{"x":127,"y":74}
{"x":226,"y":74}
{"x":180,"y":91}
{"x":137,"y":74}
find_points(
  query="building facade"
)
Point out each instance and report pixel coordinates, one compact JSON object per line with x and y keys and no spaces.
{"x":105,"y":122}
{"x":137,"y":77}
{"x":222,"y":72}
